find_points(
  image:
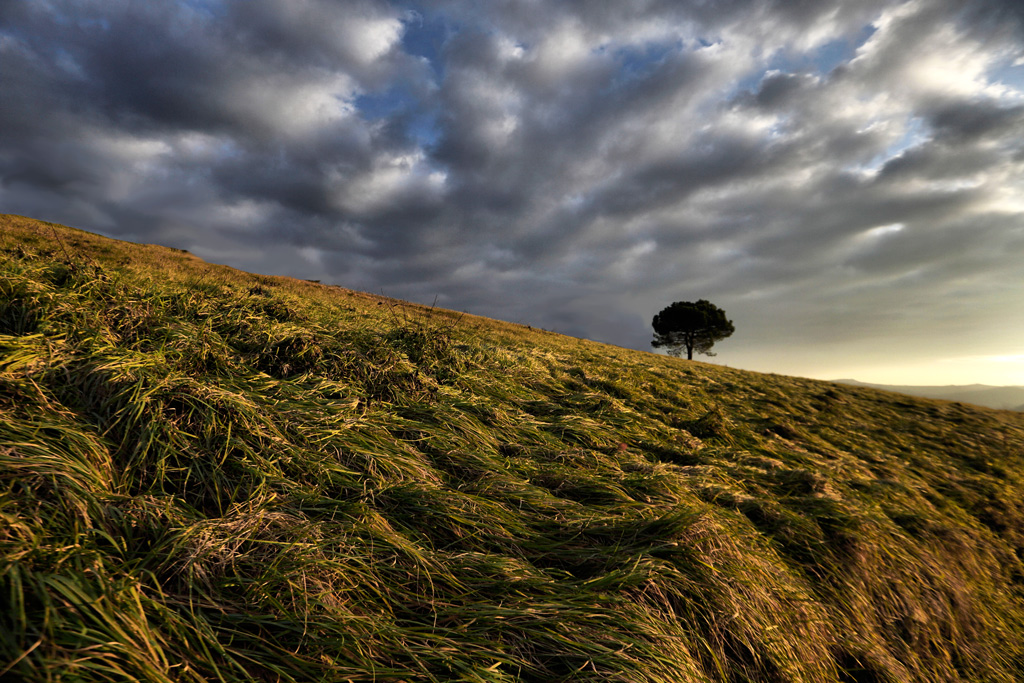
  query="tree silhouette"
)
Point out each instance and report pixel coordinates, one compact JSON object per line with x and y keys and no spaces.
{"x":694,"y":326}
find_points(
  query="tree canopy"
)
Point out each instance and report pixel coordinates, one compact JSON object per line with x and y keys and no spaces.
{"x":690,"y":325}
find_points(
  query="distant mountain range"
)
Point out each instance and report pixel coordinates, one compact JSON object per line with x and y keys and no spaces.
{"x":1006,"y":398}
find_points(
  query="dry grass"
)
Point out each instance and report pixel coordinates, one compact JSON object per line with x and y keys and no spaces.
{"x":211,"y":475}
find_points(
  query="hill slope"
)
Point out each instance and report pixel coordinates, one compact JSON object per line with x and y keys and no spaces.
{"x":206,"y":474}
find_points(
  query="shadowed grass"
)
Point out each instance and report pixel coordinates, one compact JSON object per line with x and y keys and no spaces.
{"x":212,"y":475}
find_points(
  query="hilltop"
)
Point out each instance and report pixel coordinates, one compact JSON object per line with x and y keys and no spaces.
{"x":211,"y":475}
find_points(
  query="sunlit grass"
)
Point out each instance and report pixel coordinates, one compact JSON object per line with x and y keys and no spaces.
{"x":211,"y":475}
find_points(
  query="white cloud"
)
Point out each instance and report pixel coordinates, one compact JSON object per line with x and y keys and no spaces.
{"x":881,"y":231}
{"x":391,"y":179}
{"x":371,"y":38}
{"x":290,"y":104}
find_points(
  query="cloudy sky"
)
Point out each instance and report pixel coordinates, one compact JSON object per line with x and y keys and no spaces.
{"x":845,"y":179}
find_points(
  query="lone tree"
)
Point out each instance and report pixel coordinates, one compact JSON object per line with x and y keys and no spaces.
{"x":694,"y":326}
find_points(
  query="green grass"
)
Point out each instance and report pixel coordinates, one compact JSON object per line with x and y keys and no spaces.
{"x":207,"y":475}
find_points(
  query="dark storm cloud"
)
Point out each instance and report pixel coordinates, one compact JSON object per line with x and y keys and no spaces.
{"x":968,"y":121}
{"x":575,"y":165}
{"x":776,"y":90}
{"x":242,"y":118}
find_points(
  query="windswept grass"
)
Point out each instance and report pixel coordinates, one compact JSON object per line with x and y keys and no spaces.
{"x":210,"y":475}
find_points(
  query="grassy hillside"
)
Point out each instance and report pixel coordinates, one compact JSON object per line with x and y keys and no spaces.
{"x":210,"y":475}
